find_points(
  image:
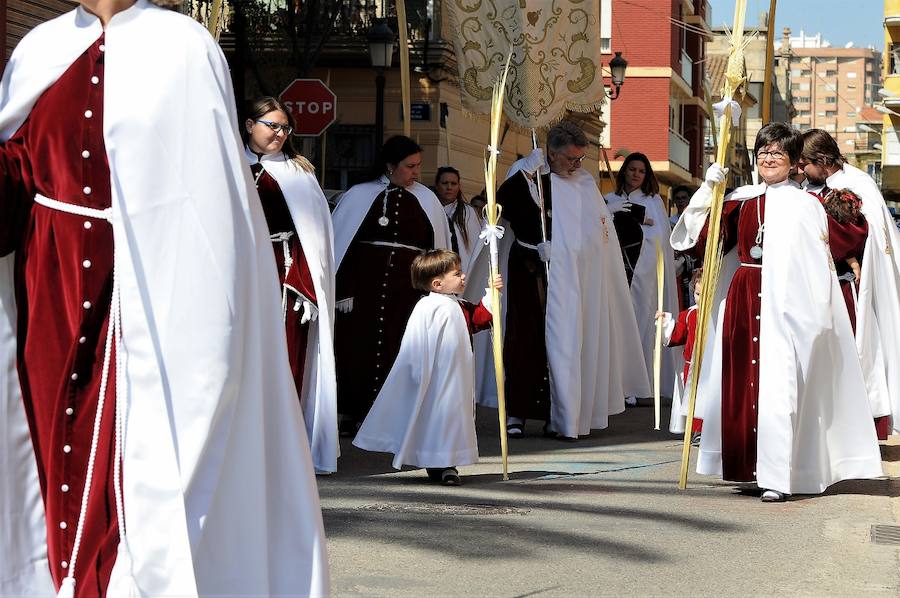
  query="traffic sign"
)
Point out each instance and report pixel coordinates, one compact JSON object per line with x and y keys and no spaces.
{"x":312,"y":104}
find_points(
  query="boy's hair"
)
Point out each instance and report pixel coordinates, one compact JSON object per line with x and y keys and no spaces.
{"x":695,"y":278}
{"x":430,"y":265}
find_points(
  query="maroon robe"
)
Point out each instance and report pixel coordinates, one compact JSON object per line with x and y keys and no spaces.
{"x":524,"y":343}
{"x":740,"y":338}
{"x":377,"y":277}
{"x":684,"y":333}
{"x":296,"y":281}
{"x":63,"y":287}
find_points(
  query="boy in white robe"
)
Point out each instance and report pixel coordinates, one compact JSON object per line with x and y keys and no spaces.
{"x":425,"y":412}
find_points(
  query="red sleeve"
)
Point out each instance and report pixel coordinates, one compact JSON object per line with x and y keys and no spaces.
{"x":731,"y":211}
{"x":680,"y":332}
{"x":16,"y":191}
{"x":847,"y":240}
{"x":299,"y":277}
{"x":478,"y":317}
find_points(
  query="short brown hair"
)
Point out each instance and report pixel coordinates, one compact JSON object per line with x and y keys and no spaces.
{"x":696,"y":277}
{"x":430,"y":265}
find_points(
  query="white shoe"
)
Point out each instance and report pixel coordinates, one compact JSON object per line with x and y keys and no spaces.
{"x":631,"y":401}
{"x":773,"y":496}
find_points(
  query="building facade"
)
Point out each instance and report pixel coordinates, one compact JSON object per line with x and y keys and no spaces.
{"x":662,"y":109}
{"x":889,"y":103}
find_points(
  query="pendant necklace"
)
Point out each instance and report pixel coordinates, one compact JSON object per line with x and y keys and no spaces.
{"x":756,"y":251}
{"x":384,"y":220}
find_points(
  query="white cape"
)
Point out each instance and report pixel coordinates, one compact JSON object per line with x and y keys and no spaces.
{"x":814,"y":426}
{"x":878,"y":300}
{"x":644,"y":284}
{"x":425,"y":412}
{"x":353,"y":206}
{"x":212,"y":506}
{"x":312,"y":220}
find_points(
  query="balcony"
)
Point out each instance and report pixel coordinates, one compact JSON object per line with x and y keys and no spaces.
{"x":679,"y":150}
{"x":890,"y":180}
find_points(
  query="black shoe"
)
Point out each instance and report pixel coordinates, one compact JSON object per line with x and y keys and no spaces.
{"x":450,"y":477}
{"x":348,"y":428}
{"x":434,"y":473}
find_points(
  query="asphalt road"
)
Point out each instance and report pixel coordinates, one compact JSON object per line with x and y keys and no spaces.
{"x":600,"y":517}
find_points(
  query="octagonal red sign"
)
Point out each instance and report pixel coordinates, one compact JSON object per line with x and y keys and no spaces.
{"x":312,"y":104}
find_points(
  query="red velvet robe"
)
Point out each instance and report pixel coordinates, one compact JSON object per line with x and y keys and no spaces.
{"x":683,"y":334}
{"x":848,"y":240}
{"x":63,"y":285}
{"x":367,"y":339}
{"x":478,"y":317}
{"x":740,"y":337}
{"x":297,"y":279}
{"x":524,"y":343}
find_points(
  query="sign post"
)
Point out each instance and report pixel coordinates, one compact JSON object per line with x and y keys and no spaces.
{"x":312,"y":104}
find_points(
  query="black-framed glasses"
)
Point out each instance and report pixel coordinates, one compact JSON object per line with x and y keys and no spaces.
{"x":276,"y":127}
{"x":776,"y":155}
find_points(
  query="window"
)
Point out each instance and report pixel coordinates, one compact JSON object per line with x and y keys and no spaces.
{"x":831,"y":100}
{"x":801,"y":99}
{"x":804,"y":113}
{"x":894,"y":64}
{"x":796,"y":72}
{"x":851,"y":87}
{"x":851,"y":114}
{"x":606,"y":26}
{"x":828,"y":127}
{"x":851,"y":75}
{"x":830,"y":114}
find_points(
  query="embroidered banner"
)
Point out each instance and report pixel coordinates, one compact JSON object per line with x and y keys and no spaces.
{"x":555,"y":65}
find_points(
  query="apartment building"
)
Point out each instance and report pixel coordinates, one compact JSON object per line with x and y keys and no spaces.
{"x":831,"y":86}
{"x":662,"y":109}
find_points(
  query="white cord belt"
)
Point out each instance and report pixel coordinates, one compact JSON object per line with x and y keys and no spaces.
{"x":527,"y":245}
{"x":284,"y":239}
{"x":113,"y":342}
{"x":746,"y":265}
{"x":394,"y":245}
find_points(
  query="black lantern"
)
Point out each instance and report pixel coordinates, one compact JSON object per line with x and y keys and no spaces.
{"x":381,"y":50}
{"x":617,"y":67}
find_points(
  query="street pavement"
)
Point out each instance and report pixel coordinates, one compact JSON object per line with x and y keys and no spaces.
{"x":600,"y":517}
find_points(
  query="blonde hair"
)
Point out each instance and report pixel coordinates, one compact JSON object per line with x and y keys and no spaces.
{"x":430,"y":265}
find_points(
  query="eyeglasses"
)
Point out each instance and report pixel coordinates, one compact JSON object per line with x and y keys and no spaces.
{"x":776,"y":155}
{"x":573,"y":160}
{"x":276,"y":127}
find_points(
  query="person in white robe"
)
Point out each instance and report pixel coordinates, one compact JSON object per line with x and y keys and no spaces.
{"x":637,"y":185}
{"x":300,"y":229}
{"x":797,"y":419}
{"x":592,"y":344}
{"x":210,"y":504}
{"x":878,"y":298}
{"x":424,"y":413}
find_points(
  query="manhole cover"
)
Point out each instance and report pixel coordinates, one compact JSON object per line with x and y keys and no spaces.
{"x":444,"y":509}
{"x":886,"y":534}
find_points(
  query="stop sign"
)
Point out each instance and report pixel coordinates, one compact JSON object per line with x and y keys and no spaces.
{"x":312,"y":104}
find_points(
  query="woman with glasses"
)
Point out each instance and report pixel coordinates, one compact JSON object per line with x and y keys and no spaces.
{"x":300,"y":230}
{"x":637,"y":198}
{"x":151,"y":442}
{"x":783,"y":398}
{"x":380,"y":227}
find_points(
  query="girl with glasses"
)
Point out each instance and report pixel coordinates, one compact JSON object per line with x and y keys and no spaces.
{"x":300,"y":230}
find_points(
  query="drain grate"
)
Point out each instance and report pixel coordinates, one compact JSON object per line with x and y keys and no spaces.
{"x":886,"y":534}
{"x":444,"y":509}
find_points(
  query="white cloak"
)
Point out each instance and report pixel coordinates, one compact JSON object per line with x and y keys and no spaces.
{"x":212,"y":504}
{"x":353,"y":206}
{"x":593,"y":344}
{"x":473,"y":229}
{"x":425,"y":412}
{"x":644,"y":283}
{"x":312,"y":221}
{"x":878,"y":299}
{"x":814,"y":427}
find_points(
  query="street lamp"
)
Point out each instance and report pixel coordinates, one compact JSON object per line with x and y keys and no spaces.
{"x":617,"y":68}
{"x":381,"y":51}
{"x":886,"y":110}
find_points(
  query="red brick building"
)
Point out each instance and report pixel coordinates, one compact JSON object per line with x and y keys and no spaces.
{"x":661,"y":110}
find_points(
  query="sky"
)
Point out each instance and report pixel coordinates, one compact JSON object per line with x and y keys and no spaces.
{"x":839,"y":21}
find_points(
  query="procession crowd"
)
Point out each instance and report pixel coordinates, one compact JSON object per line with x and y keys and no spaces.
{"x":162,"y":373}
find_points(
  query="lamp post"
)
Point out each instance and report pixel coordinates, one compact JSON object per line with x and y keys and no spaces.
{"x":381,"y":51}
{"x":617,"y":68}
